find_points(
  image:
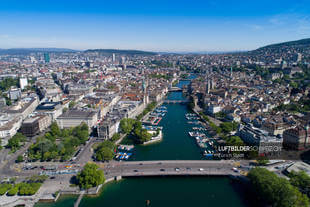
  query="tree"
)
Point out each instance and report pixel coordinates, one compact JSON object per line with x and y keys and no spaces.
{"x":49,"y":136}
{"x":234,"y":141}
{"x":104,"y":154}
{"x":8,"y":102}
{"x":55,"y":129}
{"x":300,"y":180}
{"x":7,"y":83}
{"x":71,"y":104}
{"x":28,"y":188}
{"x":215,"y":128}
{"x":84,"y":127}
{"x":108,"y":144}
{"x":191,"y":103}
{"x":261,"y":160}
{"x":115,"y":137}
{"x":126,"y":125}
{"x":64,"y":110}
{"x":15,"y":142}
{"x":4,"y":188}
{"x":13,"y":191}
{"x":293,"y":84}
{"x":275,"y":190}
{"x":82,"y":135}
{"x":90,"y":176}
{"x":142,"y":135}
{"x":228,"y":126}
{"x":19,"y":159}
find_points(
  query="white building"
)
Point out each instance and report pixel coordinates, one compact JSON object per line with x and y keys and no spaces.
{"x":9,"y":124}
{"x":15,"y":93}
{"x":23,"y":82}
{"x":214,"y":109}
{"x":73,"y":118}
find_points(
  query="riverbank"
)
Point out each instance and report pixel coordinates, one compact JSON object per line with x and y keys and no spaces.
{"x":165,"y":192}
{"x":156,"y":139}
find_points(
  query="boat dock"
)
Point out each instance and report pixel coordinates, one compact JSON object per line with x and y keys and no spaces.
{"x":78,"y":201}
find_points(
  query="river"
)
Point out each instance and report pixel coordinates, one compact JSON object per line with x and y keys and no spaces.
{"x":165,"y":191}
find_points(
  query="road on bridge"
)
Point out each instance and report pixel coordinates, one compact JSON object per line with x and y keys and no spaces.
{"x":172,"y":167}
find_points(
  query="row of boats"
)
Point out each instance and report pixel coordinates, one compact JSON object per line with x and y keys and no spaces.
{"x":193,"y":122}
{"x":205,"y":144}
{"x":199,"y":128}
{"x":161,"y":109}
{"x":191,"y":116}
{"x":125,"y":147}
{"x":123,"y":155}
{"x":152,"y":128}
{"x":125,"y":151}
{"x":158,"y":113}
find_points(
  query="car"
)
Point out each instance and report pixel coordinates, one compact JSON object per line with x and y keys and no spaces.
{"x":235,"y":169}
{"x":135,"y":170}
{"x":201,"y":169}
{"x":141,"y":164}
{"x":177,"y":169}
{"x":52,"y":178}
{"x":188,"y":168}
{"x":162,"y":170}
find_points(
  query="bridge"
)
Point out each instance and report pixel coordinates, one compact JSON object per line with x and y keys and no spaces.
{"x":169,"y":168}
{"x":175,"y":101}
{"x":174,"y":89}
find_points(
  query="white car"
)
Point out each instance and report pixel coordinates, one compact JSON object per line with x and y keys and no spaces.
{"x":177,"y":169}
{"x":201,"y":169}
{"x":235,"y":169}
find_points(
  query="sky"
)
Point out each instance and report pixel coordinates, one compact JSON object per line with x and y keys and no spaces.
{"x":154,"y":25}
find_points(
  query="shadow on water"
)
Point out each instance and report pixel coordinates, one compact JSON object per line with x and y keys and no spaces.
{"x":247,"y":194}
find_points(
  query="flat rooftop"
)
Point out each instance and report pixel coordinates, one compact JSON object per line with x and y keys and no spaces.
{"x":77,"y":114}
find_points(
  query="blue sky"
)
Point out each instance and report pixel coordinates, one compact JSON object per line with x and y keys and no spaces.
{"x":157,"y":25}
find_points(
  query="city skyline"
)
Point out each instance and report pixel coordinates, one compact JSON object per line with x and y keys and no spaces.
{"x":174,"y":26}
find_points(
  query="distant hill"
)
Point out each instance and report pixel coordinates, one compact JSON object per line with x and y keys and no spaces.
{"x":25,"y":51}
{"x":121,"y":52}
{"x":302,"y":46}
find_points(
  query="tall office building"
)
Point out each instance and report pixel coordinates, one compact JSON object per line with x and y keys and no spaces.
{"x":123,"y":60}
{"x":299,"y":57}
{"x":46,"y":57}
{"x":23,"y":82}
{"x":33,"y":59}
{"x":113,"y":58}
